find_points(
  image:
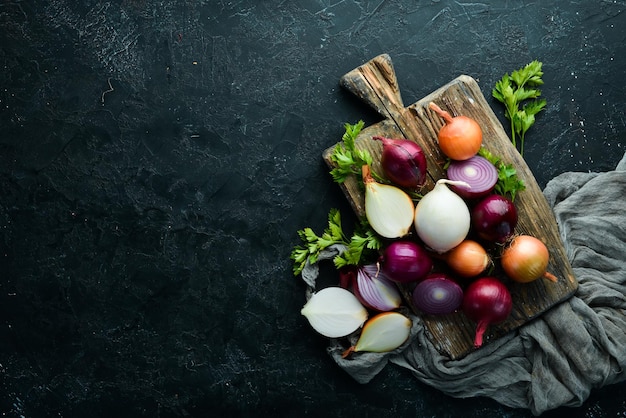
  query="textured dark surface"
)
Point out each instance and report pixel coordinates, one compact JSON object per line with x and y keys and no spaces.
{"x":156,"y":159}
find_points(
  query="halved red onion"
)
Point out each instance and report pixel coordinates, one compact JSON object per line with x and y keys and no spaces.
{"x":478,"y":172}
{"x":437,"y":294}
{"x":374,"y":290}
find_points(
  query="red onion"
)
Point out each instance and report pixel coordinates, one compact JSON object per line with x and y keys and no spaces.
{"x":437,"y":294}
{"x":374,"y":290}
{"x":494,"y":218}
{"x":486,"y":301}
{"x":478,"y":172}
{"x":403,"y":162}
{"x":406,"y":261}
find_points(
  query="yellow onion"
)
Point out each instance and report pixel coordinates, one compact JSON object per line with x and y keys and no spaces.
{"x":334,"y":312}
{"x":468,"y":259}
{"x":526,"y":259}
{"x":384,"y":332}
{"x":460,"y":137}
{"x":388,"y":209}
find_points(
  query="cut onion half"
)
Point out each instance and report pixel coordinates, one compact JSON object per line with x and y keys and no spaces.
{"x":478,"y":172}
{"x":437,"y":294}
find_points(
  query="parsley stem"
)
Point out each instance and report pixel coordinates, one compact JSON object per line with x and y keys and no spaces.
{"x":519,"y":92}
{"x":513,"y":133}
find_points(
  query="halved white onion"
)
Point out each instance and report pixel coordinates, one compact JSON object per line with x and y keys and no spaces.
{"x":388,"y":209}
{"x":384,"y":332}
{"x":334,"y":312}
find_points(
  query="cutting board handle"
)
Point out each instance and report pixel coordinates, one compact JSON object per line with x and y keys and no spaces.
{"x":375,"y":83}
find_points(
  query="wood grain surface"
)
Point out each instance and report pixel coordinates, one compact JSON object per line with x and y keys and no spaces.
{"x":376,"y":84}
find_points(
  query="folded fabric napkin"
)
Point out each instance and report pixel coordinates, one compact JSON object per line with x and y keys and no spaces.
{"x":558,"y":358}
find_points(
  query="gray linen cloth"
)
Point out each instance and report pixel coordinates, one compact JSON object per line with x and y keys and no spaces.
{"x":557,"y":359}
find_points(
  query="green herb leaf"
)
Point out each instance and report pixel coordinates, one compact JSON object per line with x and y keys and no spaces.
{"x":508,"y":183}
{"x":530,"y":74}
{"x":514,"y":91}
{"x":523,"y":94}
{"x":348,"y":159}
{"x":362,"y":241}
{"x":534,"y":107}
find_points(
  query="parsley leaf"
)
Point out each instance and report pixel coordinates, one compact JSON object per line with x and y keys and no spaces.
{"x":348,"y":159}
{"x":362,"y":240}
{"x":508,"y":183}
{"x":520,"y":88}
{"x":365,"y":239}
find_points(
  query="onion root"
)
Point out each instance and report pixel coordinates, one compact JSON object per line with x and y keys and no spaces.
{"x":550,"y":277}
{"x":481,"y":328}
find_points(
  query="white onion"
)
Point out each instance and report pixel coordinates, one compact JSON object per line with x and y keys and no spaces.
{"x":442,"y":218}
{"x":388,"y":209}
{"x":384,"y":332}
{"x":334,"y":312}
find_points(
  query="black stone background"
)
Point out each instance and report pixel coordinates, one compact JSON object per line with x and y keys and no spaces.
{"x":157,"y":158}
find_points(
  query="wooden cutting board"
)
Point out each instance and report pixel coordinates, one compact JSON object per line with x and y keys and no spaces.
{"x":375,"y":83}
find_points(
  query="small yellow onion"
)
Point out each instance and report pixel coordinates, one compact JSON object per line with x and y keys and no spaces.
{"x":334,"y":312}
{"x":442,"y":218}
{"x":468,"y":259}
{"x":388,"y":209}
{"x":460,"y":137}
{"x":384,"y":332}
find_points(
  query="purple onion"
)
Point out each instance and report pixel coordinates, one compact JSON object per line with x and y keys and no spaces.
{"x":403,"y":162}
{"x":374,"y":290}
{"x":494,"y":218}
{"x":477,"y":172}
{"x":437,"y":294}
{"x":406,"y":261}
{"x":486,"y":301}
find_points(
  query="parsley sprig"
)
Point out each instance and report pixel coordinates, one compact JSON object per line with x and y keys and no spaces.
{"x":348,"y":159}
{"x":356,"y":247}
{"x":508,"y":183}
{"x":521,"y":88}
